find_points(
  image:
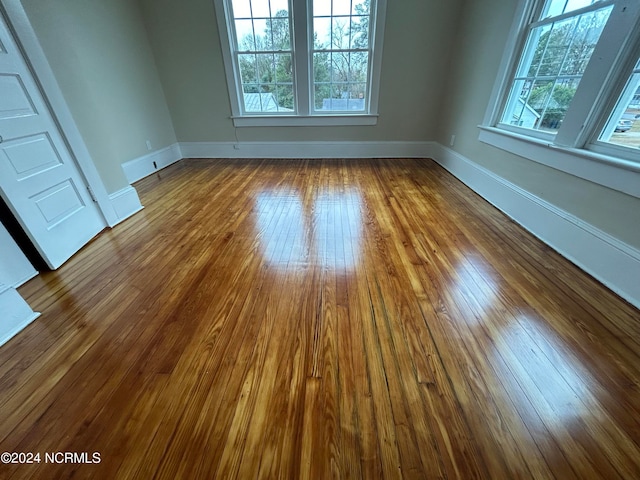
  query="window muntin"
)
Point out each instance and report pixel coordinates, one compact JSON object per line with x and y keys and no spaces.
{"x":623,"y":127}
{"x":556,"y":54}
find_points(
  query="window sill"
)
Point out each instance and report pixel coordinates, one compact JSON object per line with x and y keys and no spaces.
{"x":616,"y":173}
{"x":304,"y":121}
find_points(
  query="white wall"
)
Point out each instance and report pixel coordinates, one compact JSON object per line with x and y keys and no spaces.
{"x":417,"y":42}
{"x":102,"y":61}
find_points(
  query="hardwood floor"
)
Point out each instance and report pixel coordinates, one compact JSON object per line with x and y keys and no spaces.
{"x":321,"y":319}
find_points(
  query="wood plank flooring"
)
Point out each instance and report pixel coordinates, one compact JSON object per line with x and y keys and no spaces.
{"x":321,"y":319}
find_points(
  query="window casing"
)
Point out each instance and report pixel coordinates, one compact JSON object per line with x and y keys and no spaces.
{"x":549,"y":105}
{"x":302,"y":62}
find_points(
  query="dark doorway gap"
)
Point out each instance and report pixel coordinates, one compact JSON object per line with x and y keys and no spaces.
{"x":18,"y":234}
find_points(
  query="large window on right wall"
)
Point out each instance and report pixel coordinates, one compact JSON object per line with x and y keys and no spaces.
{"x":570,"y":79}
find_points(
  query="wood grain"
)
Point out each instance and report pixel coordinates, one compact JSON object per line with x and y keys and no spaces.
{"x":321,"y":319}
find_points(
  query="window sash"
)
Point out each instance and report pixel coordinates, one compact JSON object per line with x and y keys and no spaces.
{"x":353,"y":97}
{"x":259,"y":95}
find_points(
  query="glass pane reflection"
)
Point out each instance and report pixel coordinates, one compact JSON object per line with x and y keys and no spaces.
{"x":326,"y":231}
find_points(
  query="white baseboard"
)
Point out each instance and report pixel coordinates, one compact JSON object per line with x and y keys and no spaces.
{"x":125,"y":203}
{"x":611,"y":261}
{"x":305,"y":149}
{"x":140,"y":167}
{"x":16,"y":314}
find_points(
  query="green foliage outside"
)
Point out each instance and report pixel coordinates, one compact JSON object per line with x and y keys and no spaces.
{"x":562,"y":53}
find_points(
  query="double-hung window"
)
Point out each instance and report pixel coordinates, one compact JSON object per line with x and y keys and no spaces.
{"x":570,"y":82}
{"x":302,"y":62}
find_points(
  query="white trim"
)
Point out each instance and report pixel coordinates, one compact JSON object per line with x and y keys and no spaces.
{"x":302,"y":43}
{"x":618,"y":174}
{"x":306,"y":149}
{"x":379,"y":18}
{"x":319,"y":120}
{"x":35,"y":57}
{"x":25,"y":278}
{"x":609,"y":260}
{"x":16,"y":314}
{"x":140,"y":167}
{"x":125,"y":203}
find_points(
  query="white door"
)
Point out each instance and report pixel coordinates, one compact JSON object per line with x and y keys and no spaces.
{"x":39,"y":179}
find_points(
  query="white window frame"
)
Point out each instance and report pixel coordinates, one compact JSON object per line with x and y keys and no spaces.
{"x":303,"y":79}
{"x":574,"y":148}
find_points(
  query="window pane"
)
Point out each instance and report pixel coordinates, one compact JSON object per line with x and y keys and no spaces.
{"x":284,"y":68}
{"x":322,"y":33}
{"x":359,"y":32}
{"x":357,"y":92}
{"x":554,"y":60}
{"x":278,"y":6}
{"x":263,"y":100}
{"x":623,"y":127}
{"x":341,"y":97}
{"x":241,"y":8}
{"x":262,"y":35}
{"x":266,"y":68}
{"x":328,"y":97}
{"x":277,"y":34}
{"x":340,"y":33}
{"x":583,"y":42}
{"x":284,"y":95}
{"x":359,"y":66}
{"x":557,"y":104}
{"x":260,"y":8}
{"x":340,"y":7}
{"x":321,"y":67}
{"x":321,"y":8}
{"x":322,"y":93}
{"x":340,"y":67}
{"x":247,"y":65}
{"x":360,"y":7}
{"x":554,"y":46}
{"x":244,"y":34}
{"x":558,"y":7}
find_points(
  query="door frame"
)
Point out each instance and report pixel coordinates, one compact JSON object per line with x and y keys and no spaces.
{"x":32,"y":52}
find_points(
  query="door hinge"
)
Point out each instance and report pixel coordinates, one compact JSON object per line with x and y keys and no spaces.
{"x":91,"y":194}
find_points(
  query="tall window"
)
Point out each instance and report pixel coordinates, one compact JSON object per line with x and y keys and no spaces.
{"x":341,"y":51}
{"x":558,"y":48}
{"x":570,"y":79}
{"x":299,"y":60}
